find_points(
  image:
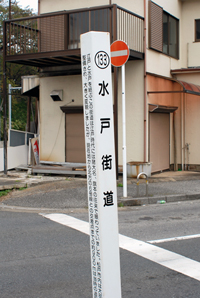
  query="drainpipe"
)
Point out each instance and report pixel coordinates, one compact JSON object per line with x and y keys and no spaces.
{"x":145,"y":85}
{"x":182,"y":134}
{"x":184,"y":100}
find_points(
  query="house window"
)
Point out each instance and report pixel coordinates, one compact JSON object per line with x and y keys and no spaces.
{"x":164,"y":31}
{"x":170,"y":35}
{"x":197,"y":30}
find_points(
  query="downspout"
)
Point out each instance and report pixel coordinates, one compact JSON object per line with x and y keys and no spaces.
{"x":182,"y":134}
{"x":174,"y":133}
{"x":145,"y":85}
{"x":184,"y":101}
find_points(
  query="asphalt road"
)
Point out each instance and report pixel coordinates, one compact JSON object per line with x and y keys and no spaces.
{"x":41,"y":258}
{"x":72,"y":193}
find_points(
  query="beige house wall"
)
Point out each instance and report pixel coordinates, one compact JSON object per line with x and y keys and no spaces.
{"x":192,"y":125}
{"x":134,"y":112}
{"x":51,"y":6}
{"x":189,"y":48}
{"x":159,"y":63}
{"x":52,"y":119}
{"x":136,"y":6}
{"x":191,"y":108}
{"x":52,"y":133}
{"x":169,"y":99}
{"x":191,"y":77}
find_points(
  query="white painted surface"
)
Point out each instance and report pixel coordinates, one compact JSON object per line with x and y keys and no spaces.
{"x":52,"y":119}
{"x":193,"y":55}
{"x":100,"y":158}
{"x":161,"y":256}
{"x":51,"y":5}
{"x":190,"y":12}
{"x":174,"y":239}
{"x":148,"y":251}
{"x":124,"y":133}
{"x":119,"y":53}
{"x":15,"y":157}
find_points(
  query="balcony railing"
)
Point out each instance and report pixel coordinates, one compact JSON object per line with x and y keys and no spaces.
{"x":54,"y":39}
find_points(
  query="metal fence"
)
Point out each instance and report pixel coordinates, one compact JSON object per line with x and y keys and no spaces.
{"x":61,"y":31}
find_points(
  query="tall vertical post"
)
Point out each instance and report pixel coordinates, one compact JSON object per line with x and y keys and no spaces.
{"x":10,"y":9}
{"x":4,"y":99}
{"x":28,"y":114}
{"x":9,"y":104}
{"x":100,"y":158}
{"x":114,"y":25}
{"x":124,"y":133}
{"x":119,"y":56}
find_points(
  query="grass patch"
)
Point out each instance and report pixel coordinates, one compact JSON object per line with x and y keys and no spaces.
{"x":120,"y":204}
{"x":120,"y":185}
{"x":4,"y":192}
{"x":22,"y":188}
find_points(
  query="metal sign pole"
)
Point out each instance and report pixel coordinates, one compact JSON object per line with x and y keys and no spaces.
{"x":9,"y":104}
{"x":124,"y":133}
{"x":119,"y":56}
{"x":100,"y":158}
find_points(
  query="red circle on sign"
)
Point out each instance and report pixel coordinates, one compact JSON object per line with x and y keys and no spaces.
{"x":119,"y":52}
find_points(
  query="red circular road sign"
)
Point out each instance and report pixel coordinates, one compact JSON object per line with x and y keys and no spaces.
{"x":119,"y":53}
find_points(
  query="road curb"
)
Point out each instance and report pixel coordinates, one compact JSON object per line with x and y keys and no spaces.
{"x":13,"y":186}
{"x":4,"y":207}
{"x":154,"y":200}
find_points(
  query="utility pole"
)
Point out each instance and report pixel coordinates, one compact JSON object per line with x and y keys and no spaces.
{"x":10,"y":9}
{"x":4,"y":99}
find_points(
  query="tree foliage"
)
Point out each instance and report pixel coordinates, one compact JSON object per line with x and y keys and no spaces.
{"x":14,"y":71}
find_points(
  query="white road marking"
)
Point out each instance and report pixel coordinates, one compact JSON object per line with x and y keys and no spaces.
{"x":174,"y":239}
{"x":119,"y":53}
{"x":69,"y":221}
{"x":149,"y":251}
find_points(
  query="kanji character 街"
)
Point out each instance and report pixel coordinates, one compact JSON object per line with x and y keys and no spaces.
{"x":107,"y":162}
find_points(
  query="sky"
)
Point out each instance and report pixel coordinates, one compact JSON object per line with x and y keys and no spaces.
{"x":32,"y":3}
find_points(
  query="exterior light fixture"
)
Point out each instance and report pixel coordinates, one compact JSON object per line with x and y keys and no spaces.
{"x":57,"y":95}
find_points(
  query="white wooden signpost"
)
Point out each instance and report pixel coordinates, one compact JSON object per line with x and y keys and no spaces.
{"x":100,"y":158}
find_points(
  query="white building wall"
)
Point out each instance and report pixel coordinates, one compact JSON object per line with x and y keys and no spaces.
{"x":189,"y":48}
{"x":15,"y":156}
{"x":134,"y":111}
{"x":192,"y":124}
{"x":51,"y":6}
{"x":52,"y":133}
{"x":52,"y":119}
{"x":159,"y":63}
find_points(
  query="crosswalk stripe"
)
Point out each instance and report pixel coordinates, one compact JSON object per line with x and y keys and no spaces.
{"x":149,"y":251}
{"x":188,"y":237}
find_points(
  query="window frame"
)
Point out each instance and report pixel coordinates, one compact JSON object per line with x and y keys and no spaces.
{"x":196,"y":39}
{"x":176,"y":56}
{"x":156,"y":38}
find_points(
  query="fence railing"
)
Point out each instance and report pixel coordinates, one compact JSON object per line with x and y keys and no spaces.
{"x":130,"y":29}
{"x":61,"y":31}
